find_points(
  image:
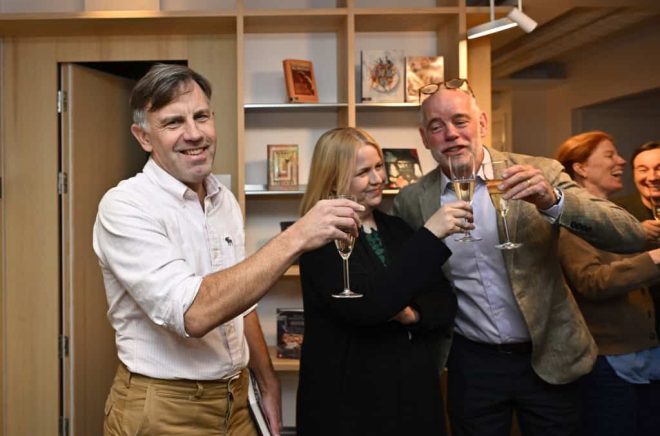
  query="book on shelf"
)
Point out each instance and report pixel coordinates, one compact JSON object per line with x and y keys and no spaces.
{"x":290,"y":332}
{"x":420,"y":71}
{"x":300,"y":81}
{"x":256,"y":408}
{"x":282,"y":166}
{"x":382,"y":76}
{"x":402,"y":167}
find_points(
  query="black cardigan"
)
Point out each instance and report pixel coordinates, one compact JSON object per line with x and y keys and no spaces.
{"x":360,"y":373}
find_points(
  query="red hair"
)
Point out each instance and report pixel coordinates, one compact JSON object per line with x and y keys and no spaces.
{"x":578,"y":148}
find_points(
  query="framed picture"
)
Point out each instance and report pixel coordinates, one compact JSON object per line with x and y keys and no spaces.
{"x":382,"y":76}
{"x":300,"y":81}
{"x":282,"y":166}
{"x":420,"y":71}
{"x":402,"y":167}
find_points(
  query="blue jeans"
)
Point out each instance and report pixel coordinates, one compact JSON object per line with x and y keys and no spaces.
{"x":613,"y":406}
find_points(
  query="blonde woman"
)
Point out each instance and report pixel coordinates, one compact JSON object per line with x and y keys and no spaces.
{"x":370,"y":365}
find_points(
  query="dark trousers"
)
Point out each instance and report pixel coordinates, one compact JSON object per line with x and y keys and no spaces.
{"x":611,"y":406}
{"x":485,"y":386}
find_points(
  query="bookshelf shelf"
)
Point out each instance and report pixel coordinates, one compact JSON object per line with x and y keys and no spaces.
{"x":283,"y":365}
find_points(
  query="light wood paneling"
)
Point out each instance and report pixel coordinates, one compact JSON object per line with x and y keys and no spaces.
{"x":122,"y":5}
{"x":31,"y":246}
{"x":480,"y":76}
{"x":30,"y":143}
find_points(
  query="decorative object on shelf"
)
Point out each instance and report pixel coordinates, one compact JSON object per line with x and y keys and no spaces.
{"x":290,"y":332}
{"x":402,"y":167}
{"x":256,"y":408}
{"x":300,"y":82}
{"x":283,"y":166}
{"x":420,"y":71}
{"x":382,"y":76}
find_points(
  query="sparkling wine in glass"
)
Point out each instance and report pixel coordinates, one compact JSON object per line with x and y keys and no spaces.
{"x":345,"y":248}
{"x":461,"y":168}
{"x":493,"y":174}
{"x":656,"y":208}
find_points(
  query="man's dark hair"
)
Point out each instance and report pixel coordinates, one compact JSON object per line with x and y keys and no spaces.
{"x":642,"y":148}
{"x":162,"y":84}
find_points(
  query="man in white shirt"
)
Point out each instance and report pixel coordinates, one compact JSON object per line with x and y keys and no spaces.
{"x":519,"y":340}
{"x":180,"y":291}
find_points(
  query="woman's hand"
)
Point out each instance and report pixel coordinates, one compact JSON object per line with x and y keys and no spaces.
{"x":407,"y":316}
{"x":452,"y":217}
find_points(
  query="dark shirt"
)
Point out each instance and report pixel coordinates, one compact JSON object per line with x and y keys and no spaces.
{"x":633,"y":204}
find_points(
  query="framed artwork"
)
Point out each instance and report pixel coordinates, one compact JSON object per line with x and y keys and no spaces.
{"x":282,"y":166}
{"x":300,"y":81}
{"x":382,"y":76}
{"x":420,"y":71}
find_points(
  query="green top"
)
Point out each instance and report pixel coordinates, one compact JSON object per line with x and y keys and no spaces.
{"x":375,"y":242}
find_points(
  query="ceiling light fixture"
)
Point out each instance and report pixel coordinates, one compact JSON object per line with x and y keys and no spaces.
{"x":514,"y":18}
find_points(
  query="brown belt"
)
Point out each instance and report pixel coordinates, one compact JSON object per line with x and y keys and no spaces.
{"x":181,"y":383}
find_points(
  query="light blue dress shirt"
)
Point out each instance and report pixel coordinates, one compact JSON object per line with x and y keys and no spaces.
{"x":487,"y":309}
{"x":639,"y":368}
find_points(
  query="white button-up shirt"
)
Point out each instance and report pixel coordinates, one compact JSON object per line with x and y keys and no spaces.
{"x":155,"y":243}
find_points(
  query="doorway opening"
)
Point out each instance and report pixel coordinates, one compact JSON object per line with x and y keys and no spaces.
{"x":96,"y":152}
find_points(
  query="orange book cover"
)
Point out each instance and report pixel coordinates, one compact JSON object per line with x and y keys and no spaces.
{"x":300,"y":81}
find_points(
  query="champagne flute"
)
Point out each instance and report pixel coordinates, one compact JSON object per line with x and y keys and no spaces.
{"x":461,"y":169}
{"x":654,"y":198}
{"x":655,"y":202}
{"x":494,"y":178}
{"x":345,"y":248}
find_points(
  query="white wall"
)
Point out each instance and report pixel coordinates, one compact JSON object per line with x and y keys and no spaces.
{"x":616,"y":67}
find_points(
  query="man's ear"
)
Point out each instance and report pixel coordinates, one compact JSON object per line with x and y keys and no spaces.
{"x":422,"y":133}
{"x":142,"y":137}
{"x":483,"y":124}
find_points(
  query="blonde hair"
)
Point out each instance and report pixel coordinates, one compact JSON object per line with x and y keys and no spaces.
{"x":333,"y":163}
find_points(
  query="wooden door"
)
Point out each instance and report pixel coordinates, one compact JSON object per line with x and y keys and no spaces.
{"x":97,"y":151}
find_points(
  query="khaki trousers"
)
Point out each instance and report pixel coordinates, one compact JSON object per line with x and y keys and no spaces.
{"x":140,"y":405}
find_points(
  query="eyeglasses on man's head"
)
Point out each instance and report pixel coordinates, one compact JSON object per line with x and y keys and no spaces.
{"x":430,"y":89}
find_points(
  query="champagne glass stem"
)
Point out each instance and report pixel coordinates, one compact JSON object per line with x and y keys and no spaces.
{"x":347,"y":286}
{"x":466,"y":232}
{"x":506,"y":227}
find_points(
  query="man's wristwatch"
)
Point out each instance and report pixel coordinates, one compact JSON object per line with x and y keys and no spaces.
{"x":558,"y":195}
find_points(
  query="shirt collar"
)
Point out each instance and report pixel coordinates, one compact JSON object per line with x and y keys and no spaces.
{"x":175,"y":187}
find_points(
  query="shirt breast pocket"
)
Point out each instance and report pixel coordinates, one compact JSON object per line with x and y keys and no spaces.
{"x":229,"y":251}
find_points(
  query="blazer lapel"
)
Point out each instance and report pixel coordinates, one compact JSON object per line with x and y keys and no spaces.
{"x":429,"y":201}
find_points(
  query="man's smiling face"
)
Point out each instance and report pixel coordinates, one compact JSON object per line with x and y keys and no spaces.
{"x":181,"y":136}
{"x":452,"y":124}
